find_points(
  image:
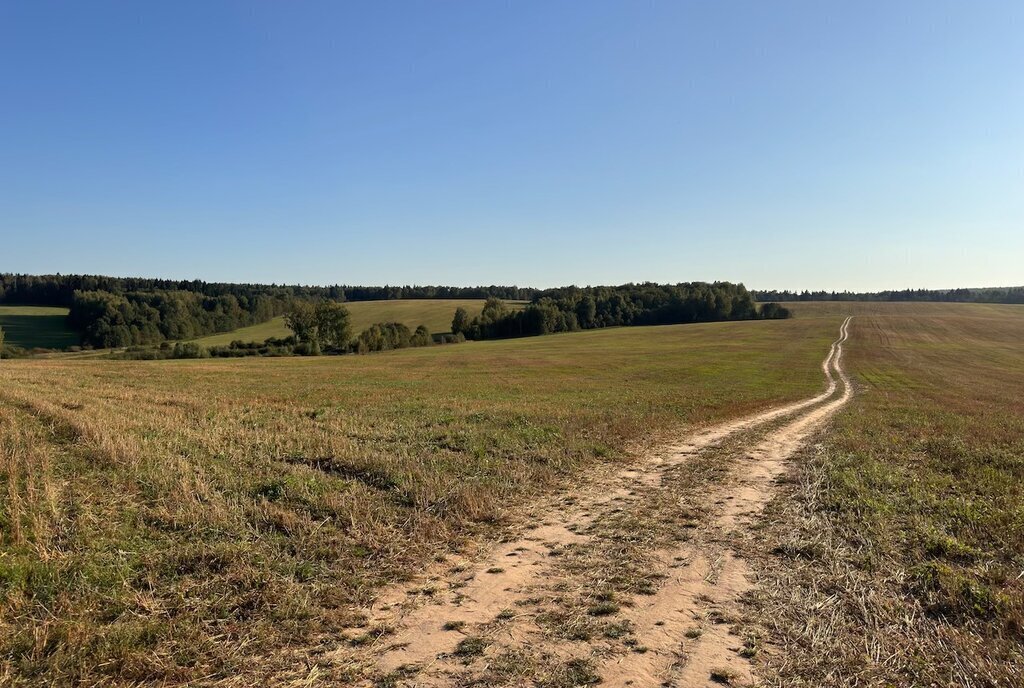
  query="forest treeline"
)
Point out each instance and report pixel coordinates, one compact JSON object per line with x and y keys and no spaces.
{"x":59,"y":290}
{"x":979,"y":295}
{"x":323,"y":327}
{"x":112,"y":312}
{"x":133,"y":311}
{"x":573,"y":308}
{"x":106,"y":319}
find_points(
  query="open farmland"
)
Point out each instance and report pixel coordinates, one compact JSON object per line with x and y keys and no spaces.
{"x":551,"y":511}
{"x":37,"y":326}
{"x":512,"y":345}
{"x":167,"y":521}
{"x":903,"y":531}
{"x":436,"y":314}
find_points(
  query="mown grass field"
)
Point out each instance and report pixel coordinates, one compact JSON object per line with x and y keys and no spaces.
{"x":902,"y":542}
{"x":436,"y":314}
{"x":210,"y":521}
{"x":36,"y":326}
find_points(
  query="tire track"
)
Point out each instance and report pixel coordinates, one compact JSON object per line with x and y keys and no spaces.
{"x":419,"y":626}
{"x":705,"y":594}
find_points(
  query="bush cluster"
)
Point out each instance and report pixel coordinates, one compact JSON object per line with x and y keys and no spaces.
{"x":390,"y":335}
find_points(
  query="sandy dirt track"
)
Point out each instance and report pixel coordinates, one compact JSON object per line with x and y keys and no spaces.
{"x":488,"y":620}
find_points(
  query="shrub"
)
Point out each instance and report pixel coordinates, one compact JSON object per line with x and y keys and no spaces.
{"x":773,"y":311}
{"x":189,"y":350}
{"x":421,"y":337}
{"x":383,"y":337}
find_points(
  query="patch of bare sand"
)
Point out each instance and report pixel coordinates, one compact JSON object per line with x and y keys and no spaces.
{"x":471,"y":598}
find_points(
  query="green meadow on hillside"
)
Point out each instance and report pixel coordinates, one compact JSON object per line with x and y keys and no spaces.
{"x":436,"y":314}
{"x":37,"y":326}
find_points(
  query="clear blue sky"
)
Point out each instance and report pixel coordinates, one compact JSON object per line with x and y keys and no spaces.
{"x":860,"y":145}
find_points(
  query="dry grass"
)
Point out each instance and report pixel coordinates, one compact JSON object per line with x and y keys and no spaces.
{"x":195,"y":521}
{"x":895,"y":557}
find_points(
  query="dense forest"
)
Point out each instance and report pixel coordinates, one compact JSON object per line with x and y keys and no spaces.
{"x":107,"y":319}
{"x":573,"y":308}
{"x":981,"y":295}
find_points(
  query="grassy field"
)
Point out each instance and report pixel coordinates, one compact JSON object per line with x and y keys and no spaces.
{"x":436,"y":314}
{"x":896,"y":309}
{"x":902,"y":541}
{"x":211,"y":521}
{"x":176,"y":521}
{"x":36,"y":326}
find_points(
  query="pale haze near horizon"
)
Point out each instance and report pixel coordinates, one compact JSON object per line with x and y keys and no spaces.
{"x":798,"y":145}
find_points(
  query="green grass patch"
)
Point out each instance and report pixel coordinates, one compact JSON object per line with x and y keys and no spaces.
{"x":37,"y":326}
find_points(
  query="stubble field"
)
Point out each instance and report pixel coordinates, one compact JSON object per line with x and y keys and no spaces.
{"x":181,"y":521}
{"x":896,"y":557}
{"x":210,"y":521}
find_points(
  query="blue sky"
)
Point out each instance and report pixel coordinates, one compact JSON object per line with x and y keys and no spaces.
{"x":822,"y":145}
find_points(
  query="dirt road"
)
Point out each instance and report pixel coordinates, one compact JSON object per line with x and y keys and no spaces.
{"x":636,"y":580}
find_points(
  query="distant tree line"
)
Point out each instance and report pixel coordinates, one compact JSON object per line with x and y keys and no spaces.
{"x":979,"y":295}
{"x":317,"y":328}
{"x":511,"y":293}
{"x":132,"y":318}
{"x":59,"y":290}
{"x":134,"y":311}
{"x":573,"y":308}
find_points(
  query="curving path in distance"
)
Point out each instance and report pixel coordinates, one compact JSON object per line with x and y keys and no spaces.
{"x":505,"y":598}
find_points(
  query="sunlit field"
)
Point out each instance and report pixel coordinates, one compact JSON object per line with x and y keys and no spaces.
{"x":170,"y":520}
{"x":909,"y":517}
{"x":182,"y":520}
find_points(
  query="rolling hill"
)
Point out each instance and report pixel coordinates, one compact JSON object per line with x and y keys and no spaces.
{"x":436,"y":314}
{"x":37,"y":326}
